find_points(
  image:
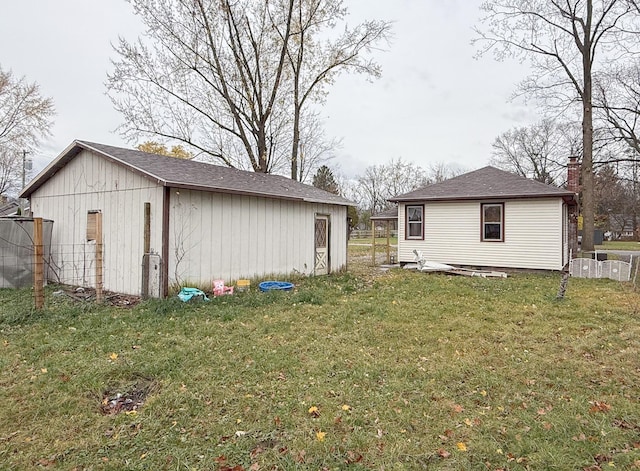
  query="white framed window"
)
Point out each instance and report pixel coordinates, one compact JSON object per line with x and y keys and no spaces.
{"x":492,"y":225}
{"x":414,"y":221}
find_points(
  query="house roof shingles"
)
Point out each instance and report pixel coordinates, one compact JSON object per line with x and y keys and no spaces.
{"x":190,"y":174}
{"x":485,"y":183}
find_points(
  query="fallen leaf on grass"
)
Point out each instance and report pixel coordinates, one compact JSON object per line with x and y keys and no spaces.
{"x":314,"y":411}
{"x":457,"y":408}
{"x":602,"y":458}
{"x":623,"y":424}
{"x":353,"y":457}
{"x":320,"y":436}
{"x":442,"y":453}
{"x":45,"y":463}
{"x":599,"y":406}
{"x":300,"y":456}
{"x":113,"y":356}
{"x":461,"y":446}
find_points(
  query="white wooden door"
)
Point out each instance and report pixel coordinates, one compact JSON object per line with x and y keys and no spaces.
{"x":322,"y":245}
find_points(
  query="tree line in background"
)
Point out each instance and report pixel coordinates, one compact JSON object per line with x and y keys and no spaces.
{"x":372,"y":189}
{"x":240,"y":82}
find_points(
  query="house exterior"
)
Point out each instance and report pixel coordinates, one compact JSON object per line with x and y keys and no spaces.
{"x":204,"y":221}
{"x":9,"y":208}
{"x":489,"y":218}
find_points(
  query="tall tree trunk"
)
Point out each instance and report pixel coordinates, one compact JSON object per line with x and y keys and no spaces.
{"x":263,"y":164}
{"x":588,"y":203}
{"x":296,"y":142}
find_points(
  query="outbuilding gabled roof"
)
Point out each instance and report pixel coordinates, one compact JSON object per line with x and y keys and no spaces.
{"x":190,"y":174}
{"x":485,"y":183}
{"x":387,"y":215}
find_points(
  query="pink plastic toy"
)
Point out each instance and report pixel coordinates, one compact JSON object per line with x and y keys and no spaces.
{"x":219,"y":289}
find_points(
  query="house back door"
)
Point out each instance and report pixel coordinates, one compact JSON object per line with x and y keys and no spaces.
{"x":322,"y":245}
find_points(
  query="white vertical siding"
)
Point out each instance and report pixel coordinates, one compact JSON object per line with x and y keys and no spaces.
{"x":89,"y":182}
{"x":232,"y":236}
{"x":211,"y":235}
{"x":533,"y":235}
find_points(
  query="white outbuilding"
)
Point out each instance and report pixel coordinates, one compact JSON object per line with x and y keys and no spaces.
{"x":201,"y":221}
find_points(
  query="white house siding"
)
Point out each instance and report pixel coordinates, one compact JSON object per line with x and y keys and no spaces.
{"x":89,"y":182}
{"x":215,"y":235}
{"x":533,"y":235}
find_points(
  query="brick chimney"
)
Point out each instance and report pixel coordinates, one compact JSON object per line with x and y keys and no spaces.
{"x":573,"y":175}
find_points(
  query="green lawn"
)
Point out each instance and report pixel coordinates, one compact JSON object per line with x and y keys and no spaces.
{"x":379,"y":241}
{"x":396,"y":371}
{"x":619,"y":245}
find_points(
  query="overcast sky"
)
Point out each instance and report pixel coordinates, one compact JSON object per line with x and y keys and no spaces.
{"x":434,"y":103}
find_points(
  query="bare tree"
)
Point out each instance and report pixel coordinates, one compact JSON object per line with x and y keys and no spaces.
{"x":209,"y":75}
{"x":315,"y":62}
{"x":538,"y":151}
{"x":314,"y":147}
{"x":563,"y":40}
{"x":25,"y":118}
{"x":617,"y":97}
{"x":441,"y":171}
{"x":10,"y":171}
{"x":232,"y":78}
{"x":384,"y":181}
{"x":616,"y":202}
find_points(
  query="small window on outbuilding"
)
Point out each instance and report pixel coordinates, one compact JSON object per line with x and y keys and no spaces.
{"x":92,"y":224}
{"x":492,"y":215}
{"x":414,"y":227}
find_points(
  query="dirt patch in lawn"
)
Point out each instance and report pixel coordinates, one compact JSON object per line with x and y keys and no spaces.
{"x":126,"y":399}
{"x":82,"y":294}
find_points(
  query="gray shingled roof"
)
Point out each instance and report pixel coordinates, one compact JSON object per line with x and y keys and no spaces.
{"x":485,"y":183}
{"x":190,"y":174}
{"x":9,"y":208}
{"x":389,"y":214}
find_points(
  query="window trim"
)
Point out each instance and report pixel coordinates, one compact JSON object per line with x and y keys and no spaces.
{"x":406,"y":222}
{"x":482,"y":222}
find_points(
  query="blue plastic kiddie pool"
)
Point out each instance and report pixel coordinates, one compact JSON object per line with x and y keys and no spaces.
{"x":275,"y":286}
